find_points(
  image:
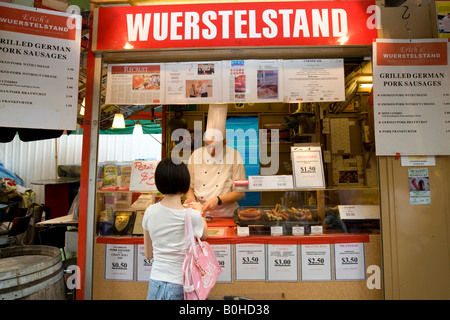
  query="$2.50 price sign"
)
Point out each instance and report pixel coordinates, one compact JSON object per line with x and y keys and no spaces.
{"x":316,"y":262}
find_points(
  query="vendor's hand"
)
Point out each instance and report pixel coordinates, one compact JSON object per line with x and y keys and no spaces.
{"x":196,"y":206}
{"x":189,"y":201}
{"x":211,"y":204}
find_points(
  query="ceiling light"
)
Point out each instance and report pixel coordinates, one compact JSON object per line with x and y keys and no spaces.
{"x":119,"y":121}
{"x":137,"y":131}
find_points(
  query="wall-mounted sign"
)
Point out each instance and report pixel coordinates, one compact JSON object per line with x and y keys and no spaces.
{"x":135,"y":84}
{"x":119,"y":262}
{"x":235,"y":24}
{"x":39,"y":68}
{"x":312,"y":80}
{"x":250,"y":261}
{"x":349,"y":261}
{"x":411,"y":96}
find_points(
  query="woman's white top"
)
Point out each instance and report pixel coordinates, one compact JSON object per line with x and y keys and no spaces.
{"x":166,"y":229}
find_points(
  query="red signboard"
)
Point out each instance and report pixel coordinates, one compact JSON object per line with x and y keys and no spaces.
{"x":37,"y":23}
{"x":250,"y":24}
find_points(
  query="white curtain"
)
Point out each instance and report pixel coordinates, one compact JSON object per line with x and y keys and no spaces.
{"x":34,"y":161}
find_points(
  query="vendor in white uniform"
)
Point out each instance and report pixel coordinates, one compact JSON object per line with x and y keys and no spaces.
{"x":213,"y":169}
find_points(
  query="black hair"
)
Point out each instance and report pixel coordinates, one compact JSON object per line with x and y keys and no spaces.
{"x":171,"y":178}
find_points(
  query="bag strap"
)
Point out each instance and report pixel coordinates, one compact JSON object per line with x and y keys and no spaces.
{"x":190,"y":233}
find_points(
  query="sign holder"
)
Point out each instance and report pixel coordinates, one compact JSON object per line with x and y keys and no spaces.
{"x":307,"y":166}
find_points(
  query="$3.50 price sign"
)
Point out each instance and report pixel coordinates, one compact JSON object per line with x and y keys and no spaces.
{"x":349,"y":261}
{"x":250,"y":261}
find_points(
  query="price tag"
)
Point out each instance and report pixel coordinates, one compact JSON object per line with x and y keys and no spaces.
{"x":359,"y":212}
{"x":243,"y":231}
{"x":119,"y":262}
{"x":144,"y":266}
{"x":270,"y":182}
{"x":250,"y":261}
{"x":223,"y":256}
{"x":298,"y":231}
{"x":349,"y":261}
{"x":276,"y":231}
{"x":307,"y":165}
{"x":316,"y":262}
{"x":282,"y":262}
{"x":316,"y":230}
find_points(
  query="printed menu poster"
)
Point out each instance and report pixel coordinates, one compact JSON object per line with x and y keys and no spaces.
{"x":135,"y":84}
{"x":419,"y":186}
{"x":349,"y":261}
{"x":39,"y":68}
{"x":250,"y":263}
{"x":314,"y":80}
{"x":143,"y":265}
{"x":119,"y":262}
{"x":194,"y":82}
{"x":316,"y":262}
{"x":411,"y":96}
{"x":223,"y":255}
{"x":282,"y":262}
{"x":252,"y":81}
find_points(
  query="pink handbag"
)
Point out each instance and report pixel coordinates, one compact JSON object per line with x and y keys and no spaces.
{"x":200,"y":266}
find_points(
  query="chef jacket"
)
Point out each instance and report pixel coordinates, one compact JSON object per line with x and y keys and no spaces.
{"x":214,"y":176}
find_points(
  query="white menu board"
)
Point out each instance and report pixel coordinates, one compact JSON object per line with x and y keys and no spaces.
{"x":39,"y":68}
{"x":250,"y":263}
{"x":411,"y":96}
{"x":316,"y":262}
{"x":223,"y":256}
{"x":194,"y":82}
{"x":282,"y":262}
{"x":252,"y":81}
{"x":270,"y":182}
{"x":349,"y":261}
{"x":143,"y":265}
{"x":119,"y":262}
{"x":135,"y":84}
{"x":314,"y":80}
{"x":307,"y":165}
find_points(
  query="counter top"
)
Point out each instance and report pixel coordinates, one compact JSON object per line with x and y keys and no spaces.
{"x":226,"y":234}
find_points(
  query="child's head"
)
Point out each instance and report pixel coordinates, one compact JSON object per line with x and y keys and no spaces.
{"x":171,"y":178}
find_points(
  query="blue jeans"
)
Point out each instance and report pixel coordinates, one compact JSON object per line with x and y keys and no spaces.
{"x":161,"y":290}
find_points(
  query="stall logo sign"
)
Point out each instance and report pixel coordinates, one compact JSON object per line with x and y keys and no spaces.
{"x":236,"y":24}
{"x":40,"y":23}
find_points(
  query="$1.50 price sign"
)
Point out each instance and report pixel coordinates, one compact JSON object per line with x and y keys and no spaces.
{"x":282,"y":262}
{"x":307,"y":165}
